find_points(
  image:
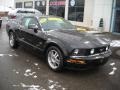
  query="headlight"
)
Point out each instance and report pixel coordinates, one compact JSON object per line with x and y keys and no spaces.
{"x":92,"y":51}
{"x":107,"y":48}
{"x":76,"y":51}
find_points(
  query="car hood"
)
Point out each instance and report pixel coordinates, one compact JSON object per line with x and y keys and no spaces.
{"x":76,"y":39}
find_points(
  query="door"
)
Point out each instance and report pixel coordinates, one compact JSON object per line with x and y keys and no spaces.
{"x":29,"y":35}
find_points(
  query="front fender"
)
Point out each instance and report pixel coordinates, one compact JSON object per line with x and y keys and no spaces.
{"x":59,"y":44}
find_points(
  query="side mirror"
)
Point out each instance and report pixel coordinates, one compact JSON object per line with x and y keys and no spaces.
{"x":34,"y":27}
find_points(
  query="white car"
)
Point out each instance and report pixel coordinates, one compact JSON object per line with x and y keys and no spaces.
{"x":15,"y":13}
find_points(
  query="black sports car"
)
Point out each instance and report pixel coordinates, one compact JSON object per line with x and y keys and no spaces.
{"x":60,"y":42}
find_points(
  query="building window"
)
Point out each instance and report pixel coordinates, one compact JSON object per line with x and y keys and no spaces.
{"x":18,"y":5}
{"x":117,"y":3}
{"x":28,"y":4}
{"x":57,"y":7}
{"x":117,"y":17}
{"x":41,"y":6}
{"x":76,"y":10}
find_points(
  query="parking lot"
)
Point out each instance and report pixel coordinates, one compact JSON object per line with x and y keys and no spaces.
{"x":26,"y":69}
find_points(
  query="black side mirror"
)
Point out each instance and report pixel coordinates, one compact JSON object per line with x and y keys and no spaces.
{"x":34,"y":27}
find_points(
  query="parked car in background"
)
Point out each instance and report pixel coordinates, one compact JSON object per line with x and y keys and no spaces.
{"x":16,"y":13}
{"x":60,"y":42}
{"x":0,"y":22}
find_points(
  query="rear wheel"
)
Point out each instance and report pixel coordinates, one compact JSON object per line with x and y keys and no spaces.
{"x":54,"y":58}
{"x":12,"y":40}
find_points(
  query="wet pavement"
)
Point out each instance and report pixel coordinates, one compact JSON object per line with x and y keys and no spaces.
{"x":26,"y":69}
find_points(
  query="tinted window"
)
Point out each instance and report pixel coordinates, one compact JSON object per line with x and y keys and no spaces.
{"x":53,"y":23}
{"x":28,"y":21}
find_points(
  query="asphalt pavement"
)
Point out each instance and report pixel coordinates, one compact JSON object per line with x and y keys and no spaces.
{"x":26,"y":69}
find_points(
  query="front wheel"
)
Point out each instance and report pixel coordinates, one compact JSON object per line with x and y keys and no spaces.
{"x":54,"y":58}
{"x":12,"y":40}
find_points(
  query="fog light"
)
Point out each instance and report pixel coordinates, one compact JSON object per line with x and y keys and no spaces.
{"x":92,"y":51}
{"x":76,"y":61}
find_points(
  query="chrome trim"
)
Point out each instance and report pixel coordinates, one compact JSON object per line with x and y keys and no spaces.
{"x":109,"y":51}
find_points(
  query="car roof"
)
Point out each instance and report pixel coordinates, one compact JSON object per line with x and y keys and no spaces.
{"x":23,"y":9}
{"x":14,"y":11}
{"x":42,"y":16}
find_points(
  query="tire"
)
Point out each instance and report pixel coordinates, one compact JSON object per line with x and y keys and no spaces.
{"x":12,"y":40}
{"x":54,"y":58}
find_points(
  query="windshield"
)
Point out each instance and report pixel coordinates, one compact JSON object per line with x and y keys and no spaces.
{"x":54,"y":23}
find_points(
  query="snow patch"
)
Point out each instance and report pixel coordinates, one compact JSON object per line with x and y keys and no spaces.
{"x":54,"y":85}
{"x":28,"y":72}
{"x":36,"y":64}
{"x":51,"y":86}
{"x":1,"y":55}
{"x":113,"y":71}
{"x":35,"y":76}
{"x":38,"y":68}
{"x":112,"y":64}
{"x":10,"y":55}
{"x":29,"y":87}
{"x":15,"y":85}
{"x":32,"y":87}
{"x":115,"y":43}
{"x":16,"y":71}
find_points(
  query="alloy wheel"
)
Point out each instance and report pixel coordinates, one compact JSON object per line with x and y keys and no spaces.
{"x":11,"y":40}
{"x":53,"y":59}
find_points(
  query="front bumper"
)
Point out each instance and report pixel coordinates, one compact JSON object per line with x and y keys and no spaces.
{"x":88,"y":61}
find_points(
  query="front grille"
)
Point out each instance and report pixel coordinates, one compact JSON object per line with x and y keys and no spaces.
{"x":86,"y":52}
{"x":97,"y":50}
{"x":100,"y":50}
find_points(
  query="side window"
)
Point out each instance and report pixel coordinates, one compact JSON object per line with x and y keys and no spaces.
{"x":28,"y":21}
{"x":33,"y":21}
{"x":25,"y":22}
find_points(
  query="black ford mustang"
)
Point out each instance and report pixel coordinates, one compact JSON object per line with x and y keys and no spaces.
{"x":59,"y":40}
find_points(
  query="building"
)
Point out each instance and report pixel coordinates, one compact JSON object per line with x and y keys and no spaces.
{"x":87,"y":13}
{"x":4,"y":7}
{"x":5,"y":4}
